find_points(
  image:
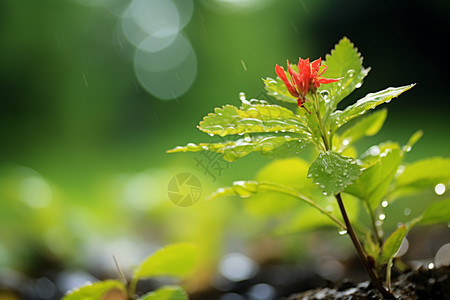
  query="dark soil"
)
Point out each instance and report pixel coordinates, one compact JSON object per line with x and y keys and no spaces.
{"x":414,"y":285}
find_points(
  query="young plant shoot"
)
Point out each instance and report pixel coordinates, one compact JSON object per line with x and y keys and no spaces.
{"x":307,"y":113}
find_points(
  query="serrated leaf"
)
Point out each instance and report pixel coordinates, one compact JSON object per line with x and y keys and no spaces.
{"x":437,"y":212}
{"x":277,"y":89}
{"x":251,"y":119}
{"x":332,"y":172}
{"x":425,"y":173}
{"x":344,"y":62}
{"x":272,"y":146}
{"x":392,"y":244}
{"x":166,"y":293}
{"x":368,"y":126}
{"x":95,"y":290}
{"x":370,"y":101}
{"x":374,"y":181}
{"x":175,"y":260}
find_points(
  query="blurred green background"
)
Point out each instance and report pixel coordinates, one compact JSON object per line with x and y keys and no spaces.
{"x":94,"y":93}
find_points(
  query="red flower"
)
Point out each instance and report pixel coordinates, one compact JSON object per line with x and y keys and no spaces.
{"x":308,"y":78}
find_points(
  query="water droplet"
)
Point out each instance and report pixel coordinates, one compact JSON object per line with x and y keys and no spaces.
{"x":211,"y":134}
{"x":342,"y":231}
{"x":329,"y":170}
{"x":431,"y":266}
{"x":384,"y":203}
{"x":351,"y":73}
{"x":345,"y":142}
{"x":407,"y":211}
{"x":374,"y":150}
{"x":245,"y":188}
{"x":322,"y":186}
{"x":382,"y":217}
{"x":358,"y":85}
{"x":325,"y":193}
{"x":242,"y":96}
{"x":309,"y":175}
{"x":439,"y":189}
{"x":378,"y":223}
{"x":345,"y":172}
{"x":325,"y":95}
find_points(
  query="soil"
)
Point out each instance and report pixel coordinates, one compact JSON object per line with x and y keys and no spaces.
{"x":413,"y":285}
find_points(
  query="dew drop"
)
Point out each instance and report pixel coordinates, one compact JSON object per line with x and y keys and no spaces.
{"x":242,"y":96}
{"x":407,"y":211}
{"x":439,"y":189}
{"x":384,"y":203}
{"x":325,"y":193}
{"x":351,"y":73}
{"x":358,"y":85}
{"x":329,"y":170}
{"x":309,"y":175}
{"x":382,"y":217}
{"x":342,"y":231}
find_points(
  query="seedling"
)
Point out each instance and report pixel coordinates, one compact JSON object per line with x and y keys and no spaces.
{"x":175,"y":260}
{"x":307,"y":114}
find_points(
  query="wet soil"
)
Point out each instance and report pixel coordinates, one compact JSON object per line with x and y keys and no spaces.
{"x":413,"y":285}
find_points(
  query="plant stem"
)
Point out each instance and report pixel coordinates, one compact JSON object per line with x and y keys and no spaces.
{"x":374,"y":225}
{"x":287,"y":191}
{"x":362,"y":255}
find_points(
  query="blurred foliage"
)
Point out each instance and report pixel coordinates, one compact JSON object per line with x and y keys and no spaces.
{"x":82,"y":167}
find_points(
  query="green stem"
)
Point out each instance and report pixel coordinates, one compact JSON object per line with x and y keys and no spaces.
{"x":285,"y":190}
{"x":132,"y":289}
{"x":374,"y":225}
{"x":324,"y":134}
{"x":362,"y":255}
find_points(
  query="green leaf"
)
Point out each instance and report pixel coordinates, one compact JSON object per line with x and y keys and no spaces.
{"x":425,"y":173}
{"x":437,"y":212}
{"x":175,"y":260}
{"x":368,"y":126}
{"x":344,"y":62}
{"x":95,"y":290}
{"x":374,"y":181}
{"x":371,"y":247}
{"x":392,"y":244}
{"x":370,"y":101}
{"x":272,"y":146}
{"x":252,"y":118}
{"x":277,"y":89}
{"x":166,"y":293}
{"x":412,"y":140}
{"x":332,"y":172}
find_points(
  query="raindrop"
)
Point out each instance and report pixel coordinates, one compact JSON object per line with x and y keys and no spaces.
{"x":407,"y":211}
{"x":442,"y":257}
{"x":351,"y":73}
{"x":309,"y":175}
{"x":384,"y":203}
{"x":382,"y":217}
{"x":358,"y":85}
{"x":322,"y":186}
{"x":242,"y":96}
{"x":403,"y":248}
{"x":329,"y":170}
{"x":345,"y":142}
{"x":345,"y":172}
{"x":374,"y":150}
{"x":378,"y":223}
{"x":439,"y":189}
{"x":325,"y":95}
{"x":342,"y":231}
{"x":325,"y":193}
